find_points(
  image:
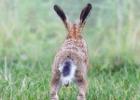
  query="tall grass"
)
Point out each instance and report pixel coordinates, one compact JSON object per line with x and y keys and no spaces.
{"x":31,"y":33}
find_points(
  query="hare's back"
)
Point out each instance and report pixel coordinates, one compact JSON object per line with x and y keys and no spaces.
{"x":76,"y":50}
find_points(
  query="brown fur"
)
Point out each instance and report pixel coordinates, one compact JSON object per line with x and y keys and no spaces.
{"x":74,"y":47}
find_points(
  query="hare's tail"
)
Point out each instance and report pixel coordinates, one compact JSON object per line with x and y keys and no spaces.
{"x":67,"y":70}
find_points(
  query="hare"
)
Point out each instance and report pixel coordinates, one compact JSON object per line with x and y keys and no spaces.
{"x":71,"y":61}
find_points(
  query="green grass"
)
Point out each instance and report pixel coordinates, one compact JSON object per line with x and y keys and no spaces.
{"x":29,"y":80}
{"x":25,"y":70}
{"x":31,"y":34}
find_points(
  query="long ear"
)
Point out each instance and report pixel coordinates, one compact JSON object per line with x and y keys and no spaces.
{"x":84,"y":13}
{"x":61,"y":14}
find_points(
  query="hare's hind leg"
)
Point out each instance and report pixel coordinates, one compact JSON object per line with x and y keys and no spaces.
{"x":82,"y":85}
{"x":55,"y":86}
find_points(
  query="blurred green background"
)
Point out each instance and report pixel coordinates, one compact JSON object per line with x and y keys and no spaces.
{"x":31,"y":33}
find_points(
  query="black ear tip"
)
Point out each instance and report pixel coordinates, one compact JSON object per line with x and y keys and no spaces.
{"x":89,"y":5}
{"x":55,"y":7}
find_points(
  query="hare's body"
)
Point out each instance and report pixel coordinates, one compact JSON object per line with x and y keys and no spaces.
{"x":74,"y":50}
{"x":71,"y":61}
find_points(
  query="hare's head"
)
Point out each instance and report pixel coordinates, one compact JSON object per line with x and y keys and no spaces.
{"x":74,"y":29}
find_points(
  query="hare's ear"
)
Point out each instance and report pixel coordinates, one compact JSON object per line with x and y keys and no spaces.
{"x":61,"y":14}
{"x":84,"y":13}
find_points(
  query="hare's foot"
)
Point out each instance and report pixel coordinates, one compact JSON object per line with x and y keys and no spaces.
{"x":82,"y":86}
{"x":54,"y":96}
{"x":55,"y":86}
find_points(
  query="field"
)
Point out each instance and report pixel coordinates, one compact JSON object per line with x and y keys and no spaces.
{"x":31,"y":33}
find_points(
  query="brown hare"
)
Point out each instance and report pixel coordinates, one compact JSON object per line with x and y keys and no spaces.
{"x":71,"y":61}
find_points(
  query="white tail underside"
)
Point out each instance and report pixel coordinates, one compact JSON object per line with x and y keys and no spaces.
{"x":66,"y":80}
